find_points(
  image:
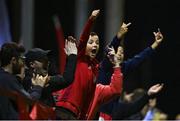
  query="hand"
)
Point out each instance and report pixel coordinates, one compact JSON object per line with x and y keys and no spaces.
{"x":158,"y":36}
{"x":158,"y":39}
{"x":114,"y":58}
{"x":94,"y":14}
{"x":123,"y":30}
{"x":155,"y":89}
{"x":111,"y":54}
{"x":70,"y":46}
{"x":39,"y":80}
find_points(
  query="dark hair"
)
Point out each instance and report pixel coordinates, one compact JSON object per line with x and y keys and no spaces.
{"x":9,"y":50}
{"x":93,"y":34}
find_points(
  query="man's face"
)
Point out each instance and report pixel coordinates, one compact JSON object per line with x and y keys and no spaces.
{"x":92,"y":47}
{"x":18,"y":66}
{"x":40,"y":67}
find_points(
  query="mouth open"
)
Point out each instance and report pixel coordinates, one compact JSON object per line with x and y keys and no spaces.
{"x":94,"y":51}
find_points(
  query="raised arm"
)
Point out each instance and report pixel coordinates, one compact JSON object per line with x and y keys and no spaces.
{"x":86,"y":32}
{"x":58,"y":82}
{"x":132,"y":63}
{"x":123,"y":110}
{"x":120,"y":34}
{"x":106,"y":65}
{"x":115,"y":87}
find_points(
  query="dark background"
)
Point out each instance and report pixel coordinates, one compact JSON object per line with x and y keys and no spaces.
{"x":145,"y":15}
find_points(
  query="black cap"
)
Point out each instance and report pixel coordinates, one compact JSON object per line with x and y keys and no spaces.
{"x":36,"y":54}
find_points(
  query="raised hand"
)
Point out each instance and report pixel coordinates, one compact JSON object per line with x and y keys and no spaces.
{"x":94,"y":14}
{"x":155,"y":89}
{"x":70,"y":46}
{"x":158,"y":36}
{"x":111,"y":54}
{"x":123,"y":30}
{"x":158,"y":39}
{"x":115,"y":58}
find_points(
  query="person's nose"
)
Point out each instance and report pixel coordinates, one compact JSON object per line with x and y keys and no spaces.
{"x":94,"y":44}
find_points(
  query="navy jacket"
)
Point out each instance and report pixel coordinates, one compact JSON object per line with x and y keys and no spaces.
{"x":127,"y":111}
{"x":8,"y":107}
{"x":106,"y":70}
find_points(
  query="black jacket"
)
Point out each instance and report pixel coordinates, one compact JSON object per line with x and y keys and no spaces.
{"x":56,"y":83}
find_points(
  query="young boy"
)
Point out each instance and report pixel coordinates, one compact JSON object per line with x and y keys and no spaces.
{"x":74,"y":101}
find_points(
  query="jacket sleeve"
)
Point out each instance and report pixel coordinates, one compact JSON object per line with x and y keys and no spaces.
{"x":36,"y":92}
{"x":106,"y":65}
{"x":107,"y":92}
{"x":84,"y":37}
{"x":59,"y":82}
{"x":115,"y":43}
{"x":132,"y":63}
{"x":123,"y":110}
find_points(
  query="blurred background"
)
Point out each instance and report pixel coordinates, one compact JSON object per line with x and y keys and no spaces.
{"x":31,"y":23}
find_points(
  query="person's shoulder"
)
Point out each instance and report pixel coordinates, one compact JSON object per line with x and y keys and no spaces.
{"x":6,"y":76}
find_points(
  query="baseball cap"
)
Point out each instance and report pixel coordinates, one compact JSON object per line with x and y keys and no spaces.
{"x":37,"y":54}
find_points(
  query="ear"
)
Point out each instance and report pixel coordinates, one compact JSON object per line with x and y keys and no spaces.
{"x":13,"y":60}
{"x":32,"y":64}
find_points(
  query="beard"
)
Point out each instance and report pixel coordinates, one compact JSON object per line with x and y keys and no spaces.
{"x":16,"y":68}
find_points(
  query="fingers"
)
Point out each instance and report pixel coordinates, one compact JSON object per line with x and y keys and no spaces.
{"x":154,"y":33}
{"x":71,"y":39}
{"x":66,"y":46}
{"x":161,"y":86}
{"x":96,"y":12}
{"x":158,"y":33}
{"x":111,"y":51}
{"x":70,"y":46}
{"x":128,"y":24}
{"x":158,"y":87}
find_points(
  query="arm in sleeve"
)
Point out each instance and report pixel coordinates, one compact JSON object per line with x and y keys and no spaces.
{"x":127,"y":109}
{"x":59,"y":82}
{"x":84,"y":37}
{"x":107,"y":92}
{"x":105,"y":69}
{"x":132,"y":63}
{"x":115,"y":43}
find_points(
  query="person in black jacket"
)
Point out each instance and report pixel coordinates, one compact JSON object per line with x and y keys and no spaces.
{"x":37,"y":62}
{"x":11,"y":65}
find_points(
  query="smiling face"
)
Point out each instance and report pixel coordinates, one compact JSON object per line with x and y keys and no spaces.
{"x":92,"y":47}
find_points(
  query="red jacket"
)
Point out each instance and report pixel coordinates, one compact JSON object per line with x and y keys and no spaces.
{"x":105,"y":93}
{"x":79,"y":94}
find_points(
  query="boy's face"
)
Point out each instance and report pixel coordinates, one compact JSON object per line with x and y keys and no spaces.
{"x":92,"y":47}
